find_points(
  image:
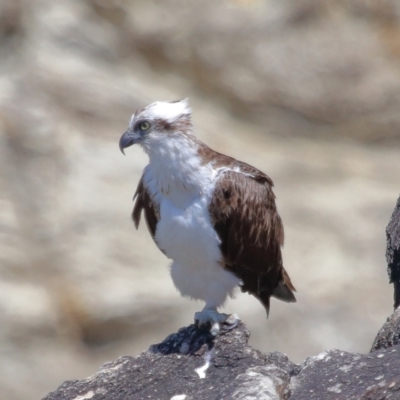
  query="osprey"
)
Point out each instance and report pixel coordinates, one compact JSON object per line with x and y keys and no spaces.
{"x":213,"y":216}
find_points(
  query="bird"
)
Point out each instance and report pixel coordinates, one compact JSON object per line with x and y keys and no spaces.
{"x":215,"y":217}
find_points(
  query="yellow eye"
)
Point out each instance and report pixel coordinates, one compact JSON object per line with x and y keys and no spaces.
{"x":144,"y":126}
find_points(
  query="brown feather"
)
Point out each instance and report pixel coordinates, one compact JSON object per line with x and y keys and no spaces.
{"x":151,"y":209}
{"x":251,"y":232}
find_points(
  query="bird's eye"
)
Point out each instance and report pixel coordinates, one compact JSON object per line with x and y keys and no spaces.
{"x":144,"y":126}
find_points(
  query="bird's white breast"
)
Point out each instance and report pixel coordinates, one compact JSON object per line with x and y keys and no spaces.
{"x":183,"y":189}
{"x":189,"y":239}
{"x":185,"y":233}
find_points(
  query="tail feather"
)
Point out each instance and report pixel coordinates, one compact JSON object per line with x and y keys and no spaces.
{"x":284,"y":293}
{"x":284,"y":290}
{"x":258,"y":286}
{"x":264,"y":299}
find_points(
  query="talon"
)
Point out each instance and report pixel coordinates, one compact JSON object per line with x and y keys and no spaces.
{"x":231,"y":322}
{"x":215,"y":329}
{"x":218,"y":322}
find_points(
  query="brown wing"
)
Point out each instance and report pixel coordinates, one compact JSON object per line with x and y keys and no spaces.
{"x":151,"y":210}
{"x":251,"y":233}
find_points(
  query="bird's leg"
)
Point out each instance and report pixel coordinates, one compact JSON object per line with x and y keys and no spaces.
{"x":218,"y":321}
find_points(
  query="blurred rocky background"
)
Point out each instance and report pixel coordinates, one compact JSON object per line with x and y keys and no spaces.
{"x":306,"y":90}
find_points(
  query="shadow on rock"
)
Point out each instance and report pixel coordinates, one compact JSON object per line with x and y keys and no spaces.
{"x":190,"y":340}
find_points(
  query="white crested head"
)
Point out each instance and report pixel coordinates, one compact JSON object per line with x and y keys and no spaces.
{"x":167,"y":111}
{"x":157,"y":125}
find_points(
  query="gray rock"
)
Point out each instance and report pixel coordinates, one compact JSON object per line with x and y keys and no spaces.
{"x":393,"y":252}
{"x":338,"y":375}
{"x":389,"y":334}
{"x":191,"y":364}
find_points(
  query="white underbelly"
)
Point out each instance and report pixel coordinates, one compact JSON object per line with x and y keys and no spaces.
{"x":186,"y":235}
{"x":189,"y":239}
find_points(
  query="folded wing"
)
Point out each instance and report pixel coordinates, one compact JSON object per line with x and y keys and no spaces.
{"x":245,"y":217}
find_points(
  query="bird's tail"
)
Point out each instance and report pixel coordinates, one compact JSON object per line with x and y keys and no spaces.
{"x":284,"y":290}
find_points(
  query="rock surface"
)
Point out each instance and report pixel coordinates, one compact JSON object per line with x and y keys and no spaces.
{"x":393,"y":252}
{"x":339,"y":375}
{"x":191,"y":364}
{"x":389,"y":334}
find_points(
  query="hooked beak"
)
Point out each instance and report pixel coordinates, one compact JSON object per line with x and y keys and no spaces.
{"x":127,"y":139}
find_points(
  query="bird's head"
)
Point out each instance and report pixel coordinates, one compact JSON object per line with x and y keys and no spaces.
{"x":156,"y":122}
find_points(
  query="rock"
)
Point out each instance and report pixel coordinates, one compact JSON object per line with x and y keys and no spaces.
{"x":189,"y":364}
{"x":338,"y":375}
{"x":192,"y":364}
{"x":389,"y":334}
{"x":393,"y":252}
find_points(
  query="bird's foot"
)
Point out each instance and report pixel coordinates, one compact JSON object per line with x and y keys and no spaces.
{"x":217,"y":321}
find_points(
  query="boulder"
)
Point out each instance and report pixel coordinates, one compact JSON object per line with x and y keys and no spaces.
{"x":192,"y":364}
{"x":393,"y":252}
{"x":389,"y":334}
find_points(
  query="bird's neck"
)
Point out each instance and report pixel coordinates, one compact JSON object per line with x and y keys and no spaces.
{"x":176,"y":169}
